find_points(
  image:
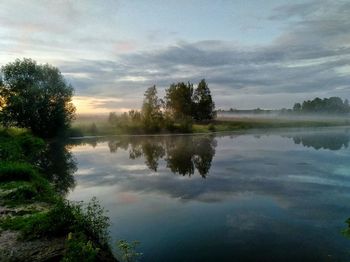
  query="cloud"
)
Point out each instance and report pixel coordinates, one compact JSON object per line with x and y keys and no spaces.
{"x":285,"y":171}
{"x":309,"y":58}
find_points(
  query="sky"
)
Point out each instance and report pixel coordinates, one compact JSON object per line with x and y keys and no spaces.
{"x":268,"y":54}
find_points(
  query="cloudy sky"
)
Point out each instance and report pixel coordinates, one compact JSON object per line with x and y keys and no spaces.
{"x":266,"y":54}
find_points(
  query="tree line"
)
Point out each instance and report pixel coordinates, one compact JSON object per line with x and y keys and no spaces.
{"x":182,"y":105}
{"x":37,"y":97}
{"x":332,"y":105}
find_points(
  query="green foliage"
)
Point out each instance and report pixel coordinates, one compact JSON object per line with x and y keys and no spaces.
{"x":332,"y":105}
{"x":128,"y":122}
{"x":14,"y":171}
{"x":36,"y":97}
{"x":346,"y":231}
{"x":152,"y":116}
{"x":203,"y":105}
{"x":23,"y":193}
{"x":79,"y":248}
{"x":128,"y":250}
{"x":94,"y":221}
{"x":181,"y":106}
{"x":64,"y":217}
{"x":21,"y":223}
{"x":211,"y":127}
{"x":185,"y":124}
{"x":19,"y":145}
{"x":32,"y":188}
{"x":93,"y":129}
{"x":178,"y":100}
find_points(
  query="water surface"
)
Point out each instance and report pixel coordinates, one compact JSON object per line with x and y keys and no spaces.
{"x":277,"y":196}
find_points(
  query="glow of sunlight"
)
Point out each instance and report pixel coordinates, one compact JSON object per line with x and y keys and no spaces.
{"x":91,"y":105}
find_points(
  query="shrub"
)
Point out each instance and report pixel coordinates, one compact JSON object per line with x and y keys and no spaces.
{"x":31,"y":146}
{"x":19,"y":145}
{"x":79,"y":248}
{"x":185,"y":125}
{"x":211,"y":127}
{"x":63,"y":218}
{"x":128,"y":250}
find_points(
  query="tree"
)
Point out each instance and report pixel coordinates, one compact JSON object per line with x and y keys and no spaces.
{"x":36,"y":97}
{"x":297,"y":107}
{"x":332,"y":105}
{"x":178,"y":100}
{"x":203,"y":104}
{"x":151,"y":110}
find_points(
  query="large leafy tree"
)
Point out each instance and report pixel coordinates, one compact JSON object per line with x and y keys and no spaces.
{"x":35,"y":96}
{"x":203,"y":103}
{"x":178,"y":100}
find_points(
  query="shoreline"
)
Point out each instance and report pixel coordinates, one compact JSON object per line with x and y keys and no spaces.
{"x":214,"y":127}
{"x":37,"y":223}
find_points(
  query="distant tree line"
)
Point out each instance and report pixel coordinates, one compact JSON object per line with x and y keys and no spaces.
{"x":182,"y":105}
{"x":332,"y":105}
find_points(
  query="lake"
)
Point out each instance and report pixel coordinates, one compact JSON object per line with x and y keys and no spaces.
{"x":281,"y":195}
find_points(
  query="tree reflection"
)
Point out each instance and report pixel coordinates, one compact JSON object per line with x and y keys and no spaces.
{"x":331,"y":140}
{"x":59,"y":166}
{"x":183,"y":154}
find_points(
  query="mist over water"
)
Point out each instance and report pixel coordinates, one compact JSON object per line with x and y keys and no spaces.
{"x":279,"y":116}
{"x":276,"y":196}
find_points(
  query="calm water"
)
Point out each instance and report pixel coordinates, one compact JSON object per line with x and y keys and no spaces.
{"x":279,"y":196}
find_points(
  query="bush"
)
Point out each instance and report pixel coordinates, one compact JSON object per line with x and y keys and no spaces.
{"x":79,"y":248}
{"x":211,"y":127}
{"x":185,"y":125}
{"x":31,"y":146}
{"x":128,"y":250}
{"x":63,"y":218}
{"x":18,"y":144}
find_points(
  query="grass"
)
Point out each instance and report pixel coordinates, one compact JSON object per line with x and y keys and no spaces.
{"x":17,"y":171}
{"x":251,"y":123}
{"x":21,"y":183}
{"x":83,"y":127}
{"x":22,"y":187}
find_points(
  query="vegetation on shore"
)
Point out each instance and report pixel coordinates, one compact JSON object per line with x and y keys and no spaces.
{"x":91,"y":126}
{"x":31,"y":205}
{"x":35,"y":217}
{"x":181,"y":107}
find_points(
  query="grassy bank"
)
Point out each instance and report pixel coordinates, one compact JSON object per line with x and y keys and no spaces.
{"x":235,"y":124}
{"x":101,"y":127}
{"x":36,"y":222}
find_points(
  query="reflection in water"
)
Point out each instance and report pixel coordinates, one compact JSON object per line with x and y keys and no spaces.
{"x":183,"y":154}
{"x":266,"y":198}
{"x":59,"y":166}
{"x":329,"y":140}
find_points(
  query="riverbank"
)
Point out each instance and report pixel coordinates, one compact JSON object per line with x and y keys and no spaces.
{"x":100,"y":127}
{"x":36,"y":222}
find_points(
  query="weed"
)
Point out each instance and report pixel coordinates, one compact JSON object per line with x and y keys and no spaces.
{"x":128,"y":250}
